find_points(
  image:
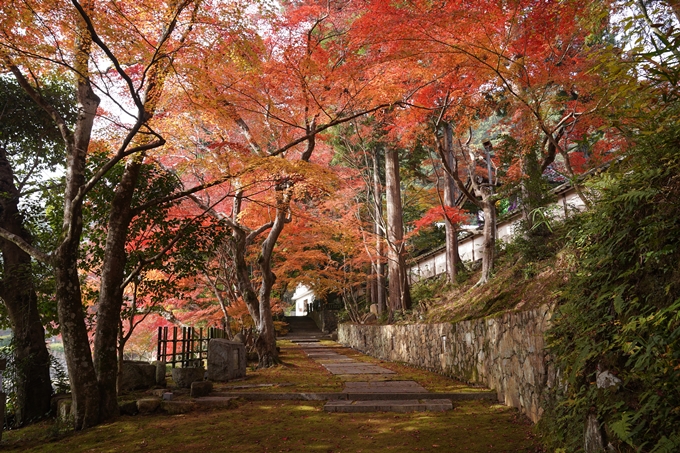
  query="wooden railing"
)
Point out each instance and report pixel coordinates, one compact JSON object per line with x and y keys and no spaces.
{"x":186,"y":346}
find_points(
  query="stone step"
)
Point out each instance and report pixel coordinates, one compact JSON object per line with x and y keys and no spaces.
{"x":345,"y":396}
{"x":216,"y":402}
{"x":384,"y":387}
{"x":433,"y":396}
{"x":290,"y":396}
{"x":356,"y":368}
{"x":412,"y":405}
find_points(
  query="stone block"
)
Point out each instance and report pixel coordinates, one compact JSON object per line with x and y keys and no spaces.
{"x":138,"y":375}
{"x":201,"y":388}
{"x":64,"y":409}
{"x":54,"y":402}
{"x":128,"y":408}
{"x":217,"y":402}
{"x":160,"y":372}
{"x":183,"y":377}
{"x":226,"y":360}
{"x":606,"y":379}
{"x":148,"y":405}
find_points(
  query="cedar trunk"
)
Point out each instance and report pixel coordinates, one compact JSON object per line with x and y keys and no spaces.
{"x":399,"y":293}
{"x":379,"y":239}
{"x":17,"y":290}
{"x":453,"y":261}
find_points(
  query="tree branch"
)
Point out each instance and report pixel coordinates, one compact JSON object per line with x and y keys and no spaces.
{"x":26,"y":247}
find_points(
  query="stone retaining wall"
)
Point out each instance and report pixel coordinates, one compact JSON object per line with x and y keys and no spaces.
{"x":326,"y":320}
{"x":506,"y":353}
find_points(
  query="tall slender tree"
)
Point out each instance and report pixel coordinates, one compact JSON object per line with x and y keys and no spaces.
{"x":399,"y":291}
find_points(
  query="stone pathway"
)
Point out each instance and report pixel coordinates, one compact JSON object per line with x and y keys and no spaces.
{"x":381,"y":392}
{"x":386,"y":396}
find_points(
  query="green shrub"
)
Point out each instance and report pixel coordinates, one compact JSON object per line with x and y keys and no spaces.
{"x":428,"y":289}
{"x":621,"y":308}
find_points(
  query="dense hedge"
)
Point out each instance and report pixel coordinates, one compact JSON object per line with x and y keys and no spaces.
{"x":621,"y":308}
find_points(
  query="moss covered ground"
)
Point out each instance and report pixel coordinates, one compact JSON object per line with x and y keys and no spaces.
{"x":517,"y":285}
{"x":284,"y":426}
{"x":295,"y":426}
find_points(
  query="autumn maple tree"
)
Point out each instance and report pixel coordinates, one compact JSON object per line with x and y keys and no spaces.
{"x":479,"y":69}
{"x":76,"y":40}
{"x":232,"y":107}
{"x":264,"y":108}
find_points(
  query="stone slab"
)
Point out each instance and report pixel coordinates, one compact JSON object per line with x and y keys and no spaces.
{"x":252,"y":396}
{"x":339,"y":360}
{"x":307,"y":344}
{"x":330,"y":357}
{"x":413,"y":405}
{"x":356,"y":368}
{"x":216,"y":402}
{"x":177,"y":407}
{"x":138,"y":375}
{"x":200,"y":388}
{"x":384,"y":387}
{"x":257,"y":386}
{"x":334,"y":396}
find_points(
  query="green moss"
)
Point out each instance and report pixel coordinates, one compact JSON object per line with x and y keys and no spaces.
{"x":479,"y":426}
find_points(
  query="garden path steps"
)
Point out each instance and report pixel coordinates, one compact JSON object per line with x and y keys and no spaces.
{"x":387,"y":396}
{"x":391,"y":395}
{"x":302,"y":328}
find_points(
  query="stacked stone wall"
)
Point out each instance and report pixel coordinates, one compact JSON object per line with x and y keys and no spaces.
{"x":326,"y":320}
{"x":506,"y":353}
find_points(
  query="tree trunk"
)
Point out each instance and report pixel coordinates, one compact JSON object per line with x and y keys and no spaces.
{"x":379,"y":238}
{"x":83,"y":379}
{"x":111,"y":290}
{"x":399,"y":294}
{"x":489,"y":247}
{"x":259,"y":304}
{"x":17,"y":290}
{"x":120,"y":357}
{"x":115,"y":256}
{"x":238,"y":247}
{"x":453,"y":261}
{"x":481,"y":195}
{"x":266,"y":342}
{"x":84,"y":387}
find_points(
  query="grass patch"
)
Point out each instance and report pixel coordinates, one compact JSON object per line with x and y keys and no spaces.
{"x":284,"y":426}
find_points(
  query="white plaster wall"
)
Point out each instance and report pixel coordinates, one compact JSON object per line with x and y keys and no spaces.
{"x":302,"y":297}
{"x":470,"y":248}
